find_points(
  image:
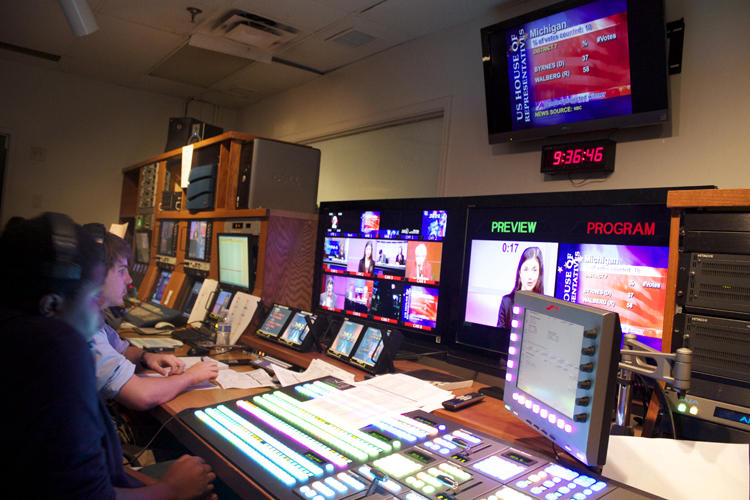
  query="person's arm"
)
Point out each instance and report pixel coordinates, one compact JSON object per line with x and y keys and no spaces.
{"x":144,"y":393}
{"x":189,"y":477}
{"x":154,"y":361}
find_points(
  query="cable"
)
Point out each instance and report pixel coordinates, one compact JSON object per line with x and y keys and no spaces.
{"x":137,"y":455}
{"x":663,"y":400}
{"x":584,"y":181}
{"x":554,"y":450}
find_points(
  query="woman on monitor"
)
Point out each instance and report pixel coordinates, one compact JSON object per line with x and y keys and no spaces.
{"x":400,"y":259}
{"x":529,"y":278}
{"x":366,"y":263}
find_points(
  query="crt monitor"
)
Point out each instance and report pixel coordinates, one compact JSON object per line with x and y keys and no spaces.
{"x":167,"y":238}
{"x":199,"y":240}
{"x":561,"y":374}
{"x":236,"y":261}
{"x":576,"y":66}
{"x":161,"y":285}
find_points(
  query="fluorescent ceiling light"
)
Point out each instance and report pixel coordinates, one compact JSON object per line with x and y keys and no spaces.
{"x":79,"y":16}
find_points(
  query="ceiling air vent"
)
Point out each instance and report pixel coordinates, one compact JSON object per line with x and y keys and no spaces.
{"x":352,"y":38}
{"x":255,"y":31}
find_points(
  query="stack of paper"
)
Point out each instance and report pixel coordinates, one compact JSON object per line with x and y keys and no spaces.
{"x":317,"y":369}
{"x":426,"y":396}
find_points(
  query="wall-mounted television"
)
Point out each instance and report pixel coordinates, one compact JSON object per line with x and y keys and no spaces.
{"x":576,"y":66}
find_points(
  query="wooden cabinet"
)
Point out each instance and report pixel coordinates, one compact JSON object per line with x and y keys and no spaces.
{"x":286,"y":244}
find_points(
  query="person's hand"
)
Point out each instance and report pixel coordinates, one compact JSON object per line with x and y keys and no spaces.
{"x":205,"y":370}
{"x":158,"y":363}
{"x":189,"y":477}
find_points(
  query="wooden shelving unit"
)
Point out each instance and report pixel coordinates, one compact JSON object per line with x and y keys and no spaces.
{"x":286,"y":247}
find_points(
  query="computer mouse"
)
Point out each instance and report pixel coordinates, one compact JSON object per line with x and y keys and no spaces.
{"x":163,"y":325}
{"x":198,"y":351}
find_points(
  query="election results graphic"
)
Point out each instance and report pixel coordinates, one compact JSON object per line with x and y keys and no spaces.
{"x":571,"y":66}
{"x":628,"y":280}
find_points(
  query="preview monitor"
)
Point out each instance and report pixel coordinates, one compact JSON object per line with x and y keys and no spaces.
{"x":192,"y":297}
{"x":142,"y":246}
{"x":562,"y":372}
{"x":387,"y":265}
{"x":275,"y":322}
{"x":614,"y":257}
{"x":236,"y":261}
{"x":167,"y":244}
{"x":223,"y":301}
{"x":345,"y":339}
{"x":369,"y":348}
{"x":296,"y":331}
{"x":161,"y":285}
{"x":199,"y":240}
{"x":576,"y":66}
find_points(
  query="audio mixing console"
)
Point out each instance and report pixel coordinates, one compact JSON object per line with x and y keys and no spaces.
{"x":296,"y":452}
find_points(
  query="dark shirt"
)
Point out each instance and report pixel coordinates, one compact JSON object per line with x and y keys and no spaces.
{"x":505,"y":312}
{"x":57,"y":439}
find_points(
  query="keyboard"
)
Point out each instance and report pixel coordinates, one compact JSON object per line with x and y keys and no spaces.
{"x":195,"y":336}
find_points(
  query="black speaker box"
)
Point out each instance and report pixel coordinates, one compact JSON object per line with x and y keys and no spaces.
{"x":184,"y":131}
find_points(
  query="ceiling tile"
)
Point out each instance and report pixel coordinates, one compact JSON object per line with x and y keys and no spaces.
{"x":169,"y":87}
{"x":267,"y":79}
{"x":29,"y":60}
{"x":226,"y":100}
{"x":199,"y":66}
{"x":165,"y":15}
{"x":97,"y":70}
{"x":133,"y":47}
{"x":35,"y":24}
{"x":308,"y":15}
{"x":420,"y":17}
{"x":325,"y":55}
{"x":351,"y":6}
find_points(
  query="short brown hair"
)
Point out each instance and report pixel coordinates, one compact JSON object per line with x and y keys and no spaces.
{"x":115,"y":248}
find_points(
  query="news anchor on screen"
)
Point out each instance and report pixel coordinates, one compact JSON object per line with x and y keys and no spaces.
{"x":422,"y":269}
{"x":529,"y":278}
{"x":366,"y":263}
{"x":328,"y":298}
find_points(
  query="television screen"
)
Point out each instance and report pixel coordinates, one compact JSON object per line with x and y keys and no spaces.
{"x":142,"y":246}
{"x":167,"y":235}
{"x":223,"y":301}
{"x":610,"y":257}
{"x":192,"y":297}
{"x":197,"y":245}
{"x":275,"y":321}
{"x":235,"y":260}
{"x":384,"y":265}
{"x":346,"y":338}
{"x":161,"y":285}
{"x":576,"y":66}
{"x":370,"y":347}
{"x":297,"y":329}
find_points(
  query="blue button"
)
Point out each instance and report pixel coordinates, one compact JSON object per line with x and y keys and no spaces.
{"x":548,"y":484}
{"x":556,"y":479}
{"x":564,"y":490}
{"x":579,"y":496}
{"x":599,"y":486}
{"x":588,"y":492}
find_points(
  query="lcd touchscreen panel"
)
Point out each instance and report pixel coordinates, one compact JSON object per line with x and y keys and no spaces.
{"x":275,"y":321}
{"x":297,"y":329}
{"x":346,"y":338}
{"x":370,"y":347}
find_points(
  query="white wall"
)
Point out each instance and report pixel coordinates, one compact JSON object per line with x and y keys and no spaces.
{"x":711,"y":108}
{"x":89,"y":130}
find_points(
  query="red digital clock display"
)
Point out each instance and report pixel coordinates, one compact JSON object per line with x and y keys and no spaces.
{"x":583,"y":156}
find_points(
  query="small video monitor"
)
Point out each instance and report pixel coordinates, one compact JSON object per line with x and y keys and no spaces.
{"x":192,"y":297}
{"x":275,"y":322}
{"x":296,"y":332}
{"x":223,"y":300}
{"x":236,"y":264}
{"x":199,"y":240}
{"x":369,"y":349}
{"x":345,"y":340}
{"x":167,"y":238}
{"x":142,"y":246}
{"x":561,"y":372}
{"x":161,"y":285}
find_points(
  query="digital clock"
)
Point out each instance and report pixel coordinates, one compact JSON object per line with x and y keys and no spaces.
{"x":579,"y":157}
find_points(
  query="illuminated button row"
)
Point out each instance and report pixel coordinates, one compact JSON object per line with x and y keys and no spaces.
{"x":415,"y":427}
{"x":292,"y":462}
{"x":349,"y":441}
{"x":397,"y":465}
{"x":302,"y":438}
{"x":543,"y":412}
{"x":498,"y":468}
{"x":309,"y":391}
{"x":682,"y":408}
{"x":506,"y":493}
{"x":389,"y":485}
{"x":392,"y":427}
{"x":466,"y":437}
{"x":269,"y":466}
{"x":342,"y":485}
{"x":438,"y":478}
{"x":556,"y":481}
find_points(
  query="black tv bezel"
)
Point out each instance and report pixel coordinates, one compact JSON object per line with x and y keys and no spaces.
{"x":649,"y":75}
{"x":444,"y":329}
{"x":231,"y":286}
{"x":466,"y":338}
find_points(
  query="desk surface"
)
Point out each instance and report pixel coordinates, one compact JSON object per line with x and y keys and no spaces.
{"x":489,"y":416}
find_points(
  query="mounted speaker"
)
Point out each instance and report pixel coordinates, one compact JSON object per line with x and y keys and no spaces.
{"x":184,"y":131}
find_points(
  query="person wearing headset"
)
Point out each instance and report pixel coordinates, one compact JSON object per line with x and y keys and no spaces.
{"x":62,"y":439}
{"x":117,"y":363}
